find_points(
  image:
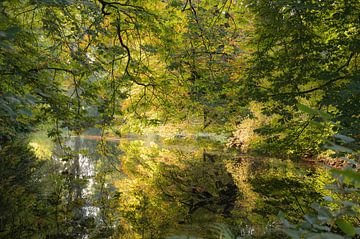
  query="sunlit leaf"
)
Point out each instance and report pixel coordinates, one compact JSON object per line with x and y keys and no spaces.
{"x":312,"y":111}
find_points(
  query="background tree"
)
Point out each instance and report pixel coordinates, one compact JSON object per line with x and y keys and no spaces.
{"x":306,"y":52}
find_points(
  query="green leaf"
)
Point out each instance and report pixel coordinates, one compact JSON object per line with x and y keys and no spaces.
{"x":13,"y":100}
{"x":312,"y":111}
{"x":25,"y":111}
{"x":349,"y":174}
{"x":30,"y":99}
{"x":309,"y":219}
{"x":344,"y":138}
{"x":292,"y":233}
{"x":4,"y":106}
{"x":346,"y":227}
{"x":326,"y":236}
{"x":306,"y":109}
{"x":339,"y":148}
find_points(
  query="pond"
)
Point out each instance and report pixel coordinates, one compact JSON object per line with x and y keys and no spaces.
{"x":151,"y":187}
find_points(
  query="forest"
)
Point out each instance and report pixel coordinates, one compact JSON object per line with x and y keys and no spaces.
{"x":179,"y":119}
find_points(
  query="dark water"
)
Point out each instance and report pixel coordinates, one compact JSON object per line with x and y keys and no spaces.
{"x":148,"y":187}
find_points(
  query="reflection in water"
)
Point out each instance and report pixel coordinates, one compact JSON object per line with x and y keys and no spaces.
{"x":169,"y":191}
{"x":181,"y":192}
{"x":151,"y":188}
{"x":85,"y":199}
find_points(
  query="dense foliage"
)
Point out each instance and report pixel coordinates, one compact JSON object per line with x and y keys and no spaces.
{"x":276,"y":78}
{"x":306,"y":52}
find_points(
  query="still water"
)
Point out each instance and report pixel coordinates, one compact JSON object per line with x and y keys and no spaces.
{"x":149,"y":187}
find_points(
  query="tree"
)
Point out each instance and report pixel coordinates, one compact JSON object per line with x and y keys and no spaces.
{"x":306,"y":52}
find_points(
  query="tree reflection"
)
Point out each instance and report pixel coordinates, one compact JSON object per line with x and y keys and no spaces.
{"x":170,"y":191}
{"x":167,"y":190}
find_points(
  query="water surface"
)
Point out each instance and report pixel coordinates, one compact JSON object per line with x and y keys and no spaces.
{"x":149,"y":187}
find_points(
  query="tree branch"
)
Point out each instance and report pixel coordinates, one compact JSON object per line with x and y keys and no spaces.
{"x":326,"y":83}
{"x":52,"y":68}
